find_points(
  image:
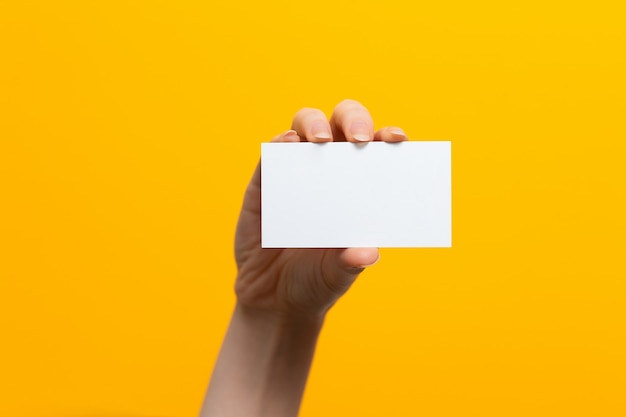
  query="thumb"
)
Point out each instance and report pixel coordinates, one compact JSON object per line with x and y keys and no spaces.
{"x":343,"y":266}
{"x":358,"y":258}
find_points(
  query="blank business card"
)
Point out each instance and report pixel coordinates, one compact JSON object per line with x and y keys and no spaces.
{"x":338,"y":195}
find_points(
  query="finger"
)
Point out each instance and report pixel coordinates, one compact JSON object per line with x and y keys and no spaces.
{"x":358,"y":258}
{"x":312,"y":125}
{"x":351,"y":121}
{"x":342,"y":266}
{"x":390,"y":134}
{"x":288,"y":136}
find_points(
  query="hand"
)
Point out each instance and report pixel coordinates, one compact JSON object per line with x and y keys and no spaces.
{"x":283,"y":294}
{"x":303,"y":282}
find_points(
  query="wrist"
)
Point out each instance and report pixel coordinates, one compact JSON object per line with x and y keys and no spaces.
{"x":284,"y":320}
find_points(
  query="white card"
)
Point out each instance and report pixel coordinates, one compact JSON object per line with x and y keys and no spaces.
{"x":339,"y":195}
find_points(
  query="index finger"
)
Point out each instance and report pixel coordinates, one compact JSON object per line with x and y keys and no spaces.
{"x":352,"y":122}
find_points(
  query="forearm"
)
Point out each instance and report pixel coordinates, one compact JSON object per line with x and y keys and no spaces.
{"x":263,"y":365}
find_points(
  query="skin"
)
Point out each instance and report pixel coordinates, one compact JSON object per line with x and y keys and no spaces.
{"x":283,"y":295}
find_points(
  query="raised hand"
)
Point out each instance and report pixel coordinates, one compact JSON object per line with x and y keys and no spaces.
{"x":303,"y":281}
{"x":283,"y":294}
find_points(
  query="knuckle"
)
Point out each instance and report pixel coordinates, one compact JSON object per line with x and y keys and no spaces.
{"x":306,"y":112}
{"x":348,"y":102}
{"x":349,"y":106}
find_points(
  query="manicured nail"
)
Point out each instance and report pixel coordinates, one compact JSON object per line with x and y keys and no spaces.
{"x":360,"y":131}
{"x":290,"y":134}
{"x":396,"y":131}
{"x":319,"y":130}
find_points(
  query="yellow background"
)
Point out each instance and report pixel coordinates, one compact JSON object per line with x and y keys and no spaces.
{"x":128,"y":131}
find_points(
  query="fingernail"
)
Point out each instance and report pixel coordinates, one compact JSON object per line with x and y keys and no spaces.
{"x":360,"y":131}
{"x":290,"y":134}
{"x":320,"y":130}
{"x":396,"y":131}
{"x":373,"y":263}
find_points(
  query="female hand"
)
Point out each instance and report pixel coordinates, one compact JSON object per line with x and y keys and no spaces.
{"x":293,"y":283}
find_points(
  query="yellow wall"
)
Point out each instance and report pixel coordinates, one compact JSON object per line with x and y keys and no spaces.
{"x":128,"y":131}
